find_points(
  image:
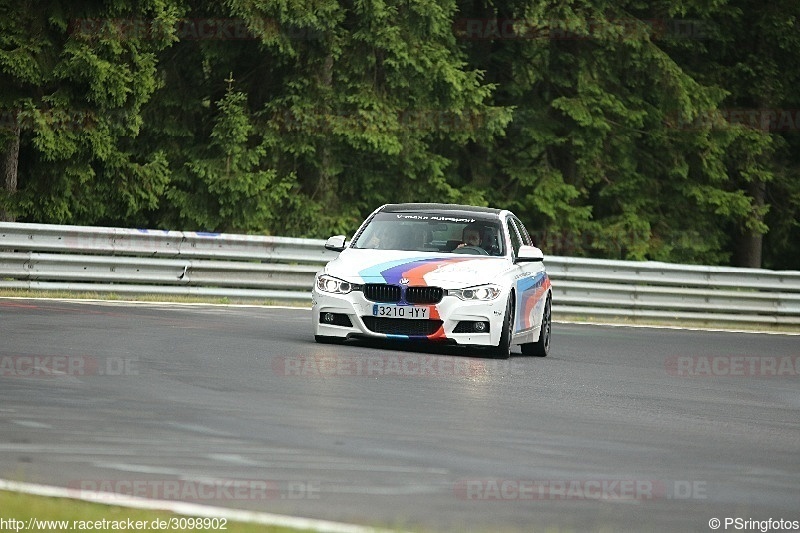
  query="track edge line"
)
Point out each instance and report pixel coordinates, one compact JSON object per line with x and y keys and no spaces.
{"x":187,"y":509}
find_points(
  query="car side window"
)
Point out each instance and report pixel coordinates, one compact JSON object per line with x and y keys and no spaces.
{"x":523,"y":233}
{"x":515,"y":241}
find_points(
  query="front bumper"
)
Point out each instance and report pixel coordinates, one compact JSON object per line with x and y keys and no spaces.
{"x":451,"y":310}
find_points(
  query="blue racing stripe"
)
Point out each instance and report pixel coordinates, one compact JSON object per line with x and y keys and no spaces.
{"x":378,"y":270}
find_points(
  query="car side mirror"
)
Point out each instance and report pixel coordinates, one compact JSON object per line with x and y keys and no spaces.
{"x":528,"y":254}
{"x":335,"y":243}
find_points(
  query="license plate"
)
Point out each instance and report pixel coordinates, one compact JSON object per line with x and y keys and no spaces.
{"x":400,"y":311}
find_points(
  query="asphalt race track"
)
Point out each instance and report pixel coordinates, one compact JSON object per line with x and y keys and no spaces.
{"x":620,"y":429}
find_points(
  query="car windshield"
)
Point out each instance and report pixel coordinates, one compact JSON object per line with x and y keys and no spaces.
{"x":432,"y":232}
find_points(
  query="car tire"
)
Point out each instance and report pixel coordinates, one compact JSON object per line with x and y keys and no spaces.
{"x":541,"y":347}
{"x":325,"y":339}
{"x":503,"y":348}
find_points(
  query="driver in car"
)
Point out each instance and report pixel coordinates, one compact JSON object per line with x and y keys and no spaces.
{"x":472,"y":237}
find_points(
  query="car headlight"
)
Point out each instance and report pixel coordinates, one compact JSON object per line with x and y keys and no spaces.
{"x":326,"y":283}
{"x":481,"y":292}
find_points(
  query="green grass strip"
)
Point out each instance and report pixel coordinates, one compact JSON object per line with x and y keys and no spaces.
{"x":64,"y":514}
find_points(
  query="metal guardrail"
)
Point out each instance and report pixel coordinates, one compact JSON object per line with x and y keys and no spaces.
{"x":129,"y":262}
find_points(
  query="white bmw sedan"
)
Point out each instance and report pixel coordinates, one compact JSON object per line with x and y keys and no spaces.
{"x":437,"y":272}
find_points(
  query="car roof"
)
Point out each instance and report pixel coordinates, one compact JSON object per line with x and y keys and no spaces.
{"x":449,"y":209}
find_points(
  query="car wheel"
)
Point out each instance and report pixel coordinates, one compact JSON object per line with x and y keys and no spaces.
{"x":325,"y":339}
{"x":503,"y":349}
{"x":541,"y":347}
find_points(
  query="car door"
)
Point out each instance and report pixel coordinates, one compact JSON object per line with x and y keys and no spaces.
{"x":531,"y":281}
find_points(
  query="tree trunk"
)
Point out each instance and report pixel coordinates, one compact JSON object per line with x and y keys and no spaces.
{"x":327,"y":184}
{"x":10,"y":164}
{"x":749,"y":247}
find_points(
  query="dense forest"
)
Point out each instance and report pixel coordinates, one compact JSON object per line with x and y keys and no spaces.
{"x":633,"y":129}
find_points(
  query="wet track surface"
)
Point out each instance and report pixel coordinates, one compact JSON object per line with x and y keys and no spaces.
{"x":619,"y":428}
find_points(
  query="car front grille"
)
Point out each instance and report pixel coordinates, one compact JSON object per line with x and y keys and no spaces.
{"x":380,"y":292}
{"x":401,"y":326}
{"x":424,"y":295}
